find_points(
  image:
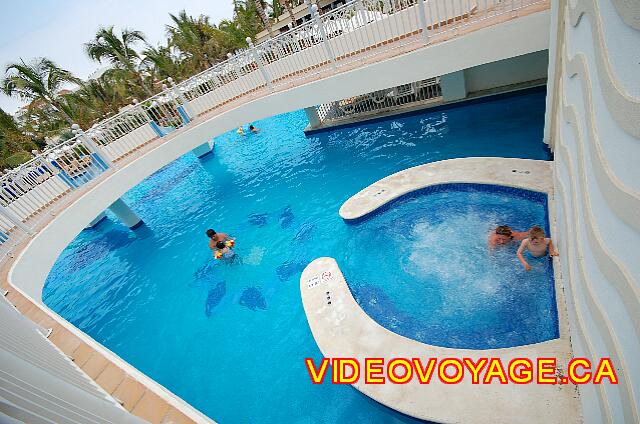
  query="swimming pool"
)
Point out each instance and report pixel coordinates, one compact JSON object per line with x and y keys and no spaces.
{"x":432,"y":277}
{"x":231,"y":340}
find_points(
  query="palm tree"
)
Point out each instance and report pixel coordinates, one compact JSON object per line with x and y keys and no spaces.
{"x":199,"y":41}
{"x":287,"y":5}
{"x":41,"y":80}
{"x":245,"y":23}
{"x":263,"y":16}
{"x":161,"y":62}
{"x":118,"y":51}
{"x":101,"y":96}
{"x":276,"y":9}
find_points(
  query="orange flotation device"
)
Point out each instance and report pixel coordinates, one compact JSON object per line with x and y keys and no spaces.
{"x":229,"y":244}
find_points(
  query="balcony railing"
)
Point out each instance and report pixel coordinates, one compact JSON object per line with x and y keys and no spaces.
{"x":349,"y":36}
{"x":390,"y":99}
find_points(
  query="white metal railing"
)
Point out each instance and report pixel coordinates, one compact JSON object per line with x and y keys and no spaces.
{"x":380,"y":101}
{"x":327,"y":43}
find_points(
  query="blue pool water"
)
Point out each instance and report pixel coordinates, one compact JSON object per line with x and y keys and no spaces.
{"x":433,"y":279}
{"x":231,"y":338}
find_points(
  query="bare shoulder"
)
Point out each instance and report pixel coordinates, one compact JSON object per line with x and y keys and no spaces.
{"x":524,"y":244}
{"x":520,"y":235}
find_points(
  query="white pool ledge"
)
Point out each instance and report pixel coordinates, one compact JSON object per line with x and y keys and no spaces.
{"x":529,"y":174}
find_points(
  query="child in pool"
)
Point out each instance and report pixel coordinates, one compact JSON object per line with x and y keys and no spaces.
{"x":223,"y":249}
{"x":537,"y":245}
{"x":503,"y":235}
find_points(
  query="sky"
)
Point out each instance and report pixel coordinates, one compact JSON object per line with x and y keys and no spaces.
{"x":58,"y":29}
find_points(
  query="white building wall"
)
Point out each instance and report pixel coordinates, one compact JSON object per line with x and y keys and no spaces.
{"x":593,"y":125}
{"x":39,"y":384}
{"x":525,"y":68}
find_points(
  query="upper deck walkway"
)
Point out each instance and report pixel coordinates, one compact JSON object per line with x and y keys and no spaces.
{"x":49,"y":200}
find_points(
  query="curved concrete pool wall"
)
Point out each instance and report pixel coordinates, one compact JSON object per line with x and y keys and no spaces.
{"x":521,"y":173}
{"x":342,"y":329}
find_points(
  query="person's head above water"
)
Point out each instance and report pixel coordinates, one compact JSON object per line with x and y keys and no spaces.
{"x":536,"y":235}
{"x":503,"y":234}
{"x":211,"y":233}
{"x":251,"y":127}
{"x":221,"y":245}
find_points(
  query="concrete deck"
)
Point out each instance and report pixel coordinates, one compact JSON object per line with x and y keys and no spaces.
{"x":342,"y":329}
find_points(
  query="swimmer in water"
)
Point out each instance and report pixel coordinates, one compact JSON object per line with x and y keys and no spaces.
{"x":224,"y":250}
{"x":504,"y":235}
{"x":214,"y":238}
{"x":537,"y":245}
{"x":240,"y":131}
{"x":253,"y":129}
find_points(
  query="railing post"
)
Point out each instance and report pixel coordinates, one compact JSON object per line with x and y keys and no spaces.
{"x":256,"y":57}
{"x":75,"y":128}
{"x":422,"y":18}
{"x":15,"y":219}
{"x":152,"y":123}
{"x":325,"y":41}
{"x":182,"y":111}
{"x":180,"y":95}
{"x":232,"y":64}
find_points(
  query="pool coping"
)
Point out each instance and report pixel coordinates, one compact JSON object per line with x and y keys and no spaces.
{"x":342,"y":329}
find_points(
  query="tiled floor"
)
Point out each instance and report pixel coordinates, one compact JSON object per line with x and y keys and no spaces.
{"x":134,"y":396}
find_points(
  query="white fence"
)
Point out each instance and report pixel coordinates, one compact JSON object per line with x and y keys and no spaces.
{"x":326,"y":44}
{"x":380,"y":101}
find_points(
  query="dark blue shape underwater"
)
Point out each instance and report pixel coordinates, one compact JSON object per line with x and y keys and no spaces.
{"x":286,"y":217}
{"x":110,"y":241}
{"x":290,"y":268}
{"x":258,"y":219}
{"x":165,"y":182}
{"x":253,"y":299}
{"x":305,"y":232}
{"x":214,"y":297}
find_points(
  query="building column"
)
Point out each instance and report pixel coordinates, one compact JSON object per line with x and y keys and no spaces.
{"x":97,"y":220}
{"x":125,"y":214}
{"x":453,"y":86}
{"x":312,"y":116}
{"x":204,"y":149}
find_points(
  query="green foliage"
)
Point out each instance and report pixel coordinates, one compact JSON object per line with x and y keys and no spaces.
{"x":16,"y":159}
{"x":39,"y":80}
{"x":14,"y":143}
{"x":137,"y":70}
